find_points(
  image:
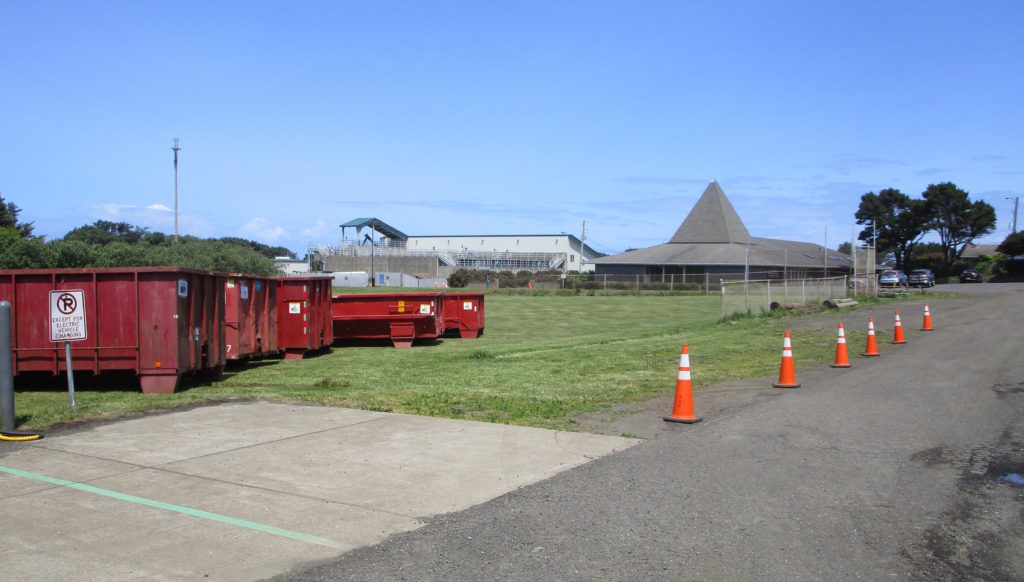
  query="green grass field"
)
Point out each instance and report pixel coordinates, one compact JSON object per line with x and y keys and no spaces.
{"x":543,"y":358}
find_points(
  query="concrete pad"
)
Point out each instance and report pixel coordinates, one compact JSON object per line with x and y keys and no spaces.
{"x":346,"y":525}
{"x":57,"y":464}
{"x":151,"y":491}
{"x":77,"y":536}
{"x":164,"y":438}
{"x":408,"y":465}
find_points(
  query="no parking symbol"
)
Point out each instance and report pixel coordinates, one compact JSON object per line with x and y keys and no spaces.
{"x":67,"y":316}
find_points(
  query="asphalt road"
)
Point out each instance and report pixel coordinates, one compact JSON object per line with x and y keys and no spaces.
{"x":893,"y":469}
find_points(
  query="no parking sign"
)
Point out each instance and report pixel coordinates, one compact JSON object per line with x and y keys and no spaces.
{"x":67,"y":324}
{"x":67,"y":316}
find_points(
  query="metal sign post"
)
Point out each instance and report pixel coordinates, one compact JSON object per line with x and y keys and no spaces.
{"x":71,"y":376}
{"x":67,"y":324}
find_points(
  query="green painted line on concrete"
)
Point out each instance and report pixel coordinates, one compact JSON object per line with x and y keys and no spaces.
{"x":177,"y":508}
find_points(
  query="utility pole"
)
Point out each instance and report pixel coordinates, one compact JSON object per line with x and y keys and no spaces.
{"x":825,"y":273}
{"x":1016,"y":201}
{"x":583,"y":239}
{"x":853,"y":252}
{"x":746,"y":278}
{"x":176,"y":149}
{"x":373,"y":272}
{"x":873,"y":255}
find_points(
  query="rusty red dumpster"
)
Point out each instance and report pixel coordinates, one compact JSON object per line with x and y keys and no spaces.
{"x":304,"y":315}
{"x":159,"y":322}
{"x":265,"y":306}
{"x":463,"y":312}
{"x":250,"y":316}
{"x":399,"y":317}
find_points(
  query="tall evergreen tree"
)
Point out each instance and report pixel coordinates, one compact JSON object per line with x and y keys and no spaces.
{"x":956,"y":219}
{"x":9,"y":218}
{"x":1012,"y":245}
{"x":894,"y":221}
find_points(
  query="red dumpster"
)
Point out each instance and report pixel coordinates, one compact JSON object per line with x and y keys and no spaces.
{"x":463,"y":312}
{"x":304,"y":315}
{"x":158,"y":322}
{"x":265,"y":306}
{"x":399,"y":317}
{"x":250,"y":316}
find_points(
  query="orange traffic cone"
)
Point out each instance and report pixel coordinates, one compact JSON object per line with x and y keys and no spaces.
{"x":897,"y":331}
{"x":927,"y":320}
{"x":872,"y":348}
{"x":842,"y":357}
{"x":787,"y":374}
{"x":682,"y":409}
{"x":530,"y":284}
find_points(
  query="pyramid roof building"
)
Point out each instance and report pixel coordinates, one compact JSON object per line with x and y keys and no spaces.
{"x":713,"y":239}
{"x":712,"y":220}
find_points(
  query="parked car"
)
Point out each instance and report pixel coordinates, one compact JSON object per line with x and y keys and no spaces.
{"x":921,"y":278}
{"x":970,"y":275}
{"x":892,"y":278}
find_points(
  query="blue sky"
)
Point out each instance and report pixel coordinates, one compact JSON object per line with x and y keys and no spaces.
{"x":502,"y":117}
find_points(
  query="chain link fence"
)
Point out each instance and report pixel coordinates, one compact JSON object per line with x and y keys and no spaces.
{"x":757,"y":296}
{"x":698,"y":284}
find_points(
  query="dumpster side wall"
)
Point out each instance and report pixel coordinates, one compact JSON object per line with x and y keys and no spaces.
{"x":158,"y":322}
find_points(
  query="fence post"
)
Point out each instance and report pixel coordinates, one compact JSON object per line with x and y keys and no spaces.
{"x":746,"y":295}
{"x":769,"y":306}
{"x":722,"y":300}
{"x":638,"y":283}
{"x":803,"y":291}
{"x":707,"y":283}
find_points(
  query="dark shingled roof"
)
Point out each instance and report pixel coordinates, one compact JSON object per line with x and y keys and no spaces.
{"x":712,"y":220}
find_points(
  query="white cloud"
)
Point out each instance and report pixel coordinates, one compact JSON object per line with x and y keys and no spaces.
{"x":110,"y":211}
{"x":316,"y":231}
{"x":153,"y":215}
{"x":156,"y":217}
{"x":260,"y":229}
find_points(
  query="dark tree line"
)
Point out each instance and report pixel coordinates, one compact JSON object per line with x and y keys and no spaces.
{"x":1013,"y":245}
{"x":897,"y":222}
{"x":119,"y":244}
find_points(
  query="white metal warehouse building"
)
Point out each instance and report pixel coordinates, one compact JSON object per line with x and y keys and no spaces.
{"x":377,"y":243}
